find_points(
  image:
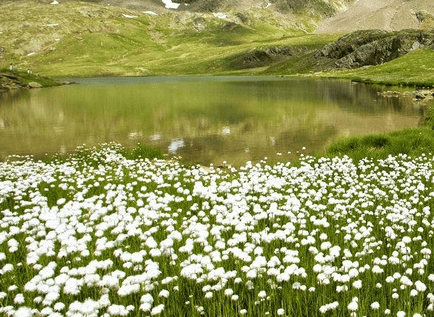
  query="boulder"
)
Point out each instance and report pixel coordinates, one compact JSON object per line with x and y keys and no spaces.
{"x":242,"y":17}
{"x":230,"y":26}
{"x":199,"y":23}
{"x":423,"y":94}
{"x":34,"y":84}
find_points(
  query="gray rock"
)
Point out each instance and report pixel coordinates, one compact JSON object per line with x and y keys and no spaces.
{"x":230,"y":26}
{"x":423,"y":94}
{"x":34,"y":84}
{"x":243,"y":18}
{"x":416,"y":46}
{"x":199,"y":23}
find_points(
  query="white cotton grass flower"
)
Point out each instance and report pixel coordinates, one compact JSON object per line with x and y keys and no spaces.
{"x":164,"y":293}
{"x":23,"y":312}
{"x":328,"y":307}
{"x":420,"y":286}
{"x":208,"y":295}
{"x":413,"y":293}
{"x":59,"y":306}
{"x":19,"y":299}
{"x":146,"y":302}
{"x":353,"y":305}
{"x":117,"y":310}
{"x":357,"y":284}
{"x":157,"y":310}
{"x":7,"y":268}
{"x":262,"y":294}
{"x":375,"y":306}
{"x":12,"y":288}
{"x":229,"y":292}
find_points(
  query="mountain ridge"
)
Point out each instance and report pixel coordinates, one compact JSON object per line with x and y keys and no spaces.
{"x":314,"y":7}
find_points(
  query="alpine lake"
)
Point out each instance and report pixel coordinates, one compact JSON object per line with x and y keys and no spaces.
{"x":204,"y":120}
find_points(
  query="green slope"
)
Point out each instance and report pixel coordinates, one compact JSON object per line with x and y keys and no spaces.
{"x":87,"y":39}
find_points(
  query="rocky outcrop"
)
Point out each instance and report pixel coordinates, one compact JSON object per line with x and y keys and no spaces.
{"x":350,"y":42}
{"x":10,"y":81}
{"x":389,"y":15}
{"x":261,"y":57}
{"x":374,"y":47}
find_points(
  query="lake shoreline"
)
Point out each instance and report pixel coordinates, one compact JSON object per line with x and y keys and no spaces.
{"x":11,"y":80}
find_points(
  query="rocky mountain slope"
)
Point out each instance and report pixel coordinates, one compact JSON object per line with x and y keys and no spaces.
{"x":389,"y":15}
{"x":312,"y":7}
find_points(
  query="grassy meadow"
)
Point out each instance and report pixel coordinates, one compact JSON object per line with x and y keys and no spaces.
{"x":110,"y":232}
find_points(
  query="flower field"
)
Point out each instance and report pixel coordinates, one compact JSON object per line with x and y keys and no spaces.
{"x":102,"y":235}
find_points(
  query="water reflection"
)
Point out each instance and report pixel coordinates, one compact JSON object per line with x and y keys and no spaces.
{"x":205,"y":120}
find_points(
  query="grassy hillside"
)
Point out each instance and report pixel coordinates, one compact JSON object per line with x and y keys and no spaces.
{"x":413,"y":69}
{"x":85,"y":39}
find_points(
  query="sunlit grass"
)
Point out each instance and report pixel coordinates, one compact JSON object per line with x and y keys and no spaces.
{"x":412,"y":142}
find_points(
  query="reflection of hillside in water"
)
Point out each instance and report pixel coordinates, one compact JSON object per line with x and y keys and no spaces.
{"x":241,"y":146}
{"x":212,"y":121}
{"x":358,"y":98}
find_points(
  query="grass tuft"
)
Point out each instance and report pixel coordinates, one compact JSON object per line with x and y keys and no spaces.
{"x":411,"y":142}
{"x":142,"y":151}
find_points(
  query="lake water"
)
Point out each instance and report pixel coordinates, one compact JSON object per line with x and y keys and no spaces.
{"x":203,"y":119}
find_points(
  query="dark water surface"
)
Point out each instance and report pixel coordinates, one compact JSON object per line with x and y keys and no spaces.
{"x":203,"y":119}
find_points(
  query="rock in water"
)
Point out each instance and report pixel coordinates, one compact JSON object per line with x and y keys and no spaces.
{"x":34,"y":84}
